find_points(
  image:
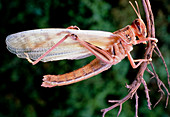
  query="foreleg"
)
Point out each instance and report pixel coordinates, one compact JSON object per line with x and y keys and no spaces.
{"x":146,"y":39}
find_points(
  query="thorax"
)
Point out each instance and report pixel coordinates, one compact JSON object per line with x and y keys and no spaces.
{"x":122,"y":43}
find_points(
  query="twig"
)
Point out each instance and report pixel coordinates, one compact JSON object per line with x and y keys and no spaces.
{"x":153,"y":75}
{"x":136,"y":96}
{"x":160,"y":83}
{"x":147,"y":93}
{"x":166,"y":68}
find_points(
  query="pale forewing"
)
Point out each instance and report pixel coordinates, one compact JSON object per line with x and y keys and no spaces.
{"x":36,"y":42}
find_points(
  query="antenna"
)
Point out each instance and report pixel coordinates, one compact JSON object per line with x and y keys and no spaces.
{"x":137,"y":12}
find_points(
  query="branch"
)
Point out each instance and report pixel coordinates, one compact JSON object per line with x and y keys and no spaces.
{"x":133,"y":88}
{"x":139,"y":78}
{"x":151,"y":33}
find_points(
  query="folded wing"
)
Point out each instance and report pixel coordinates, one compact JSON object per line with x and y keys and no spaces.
{"x":36,"y":42}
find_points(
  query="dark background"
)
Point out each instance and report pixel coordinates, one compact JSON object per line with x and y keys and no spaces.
{"x":21,"y":94}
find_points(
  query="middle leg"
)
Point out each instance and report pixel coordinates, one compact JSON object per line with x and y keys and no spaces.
{"x":132,"y":61}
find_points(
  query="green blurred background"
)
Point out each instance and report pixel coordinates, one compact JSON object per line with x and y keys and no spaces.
{"x":21,"y":94}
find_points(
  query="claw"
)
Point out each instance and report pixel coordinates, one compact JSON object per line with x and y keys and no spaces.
{"x":73,"y":27}
{"x":150,"y":59}
{"x":154,"y":39}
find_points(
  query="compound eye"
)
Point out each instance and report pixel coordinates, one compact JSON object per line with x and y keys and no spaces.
{"x":138,"y":25}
